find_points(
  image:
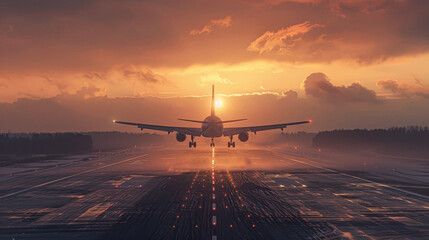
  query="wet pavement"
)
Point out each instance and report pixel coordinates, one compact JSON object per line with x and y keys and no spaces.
{"x":205,"y":194}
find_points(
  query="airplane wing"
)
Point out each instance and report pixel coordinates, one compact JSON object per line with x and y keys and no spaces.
{"x":169,"y":129}
{"x":254,"y":129}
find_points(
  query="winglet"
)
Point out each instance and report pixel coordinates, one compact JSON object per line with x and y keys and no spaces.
{"x":213,"y":101}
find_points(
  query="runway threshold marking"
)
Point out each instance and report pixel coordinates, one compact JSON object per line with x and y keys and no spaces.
{"x":351,"y":176}
{"x":70,"y":176}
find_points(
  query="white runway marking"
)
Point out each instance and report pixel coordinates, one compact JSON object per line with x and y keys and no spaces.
{"x":348,"y":175}
{"x":70,"y":176}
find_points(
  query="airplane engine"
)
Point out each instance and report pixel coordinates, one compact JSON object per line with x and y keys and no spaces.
{"x":243,"y":137}
{"x":180,"y":137}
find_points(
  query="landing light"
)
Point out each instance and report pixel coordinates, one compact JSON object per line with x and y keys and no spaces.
{"x":114,"y":121}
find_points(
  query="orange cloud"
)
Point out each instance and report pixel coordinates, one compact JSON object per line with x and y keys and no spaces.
{"x":318,"y":86}
{"x":282,"y":40}
{"x":222,"y":22}
{"x":405,"y":89}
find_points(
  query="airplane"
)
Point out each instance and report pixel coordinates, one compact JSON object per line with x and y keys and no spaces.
{"x":212,"y":127}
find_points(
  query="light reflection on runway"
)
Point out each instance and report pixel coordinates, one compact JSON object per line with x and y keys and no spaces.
{"x":215,"y":194}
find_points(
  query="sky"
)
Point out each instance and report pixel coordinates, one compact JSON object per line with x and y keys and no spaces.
{"x":75,"y":65}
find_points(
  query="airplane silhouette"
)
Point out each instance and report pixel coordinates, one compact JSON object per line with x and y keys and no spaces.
{"x":212,"y":127}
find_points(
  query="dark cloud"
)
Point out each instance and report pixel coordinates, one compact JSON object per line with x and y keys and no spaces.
{"x":86,"y":40}
{"x":292,"y":95}
{"x":89,"y":91}
{"x":96,"y":35}
{"x":145,"y":75}
{"x":405,"y":89}
{"x":317,"y":85}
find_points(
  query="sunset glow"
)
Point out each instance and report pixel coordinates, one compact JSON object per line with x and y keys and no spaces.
{"x":347,"y":59}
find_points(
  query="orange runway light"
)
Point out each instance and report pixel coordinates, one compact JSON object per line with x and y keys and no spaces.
{"x":253,"y":225}
{"x":230,"y":226}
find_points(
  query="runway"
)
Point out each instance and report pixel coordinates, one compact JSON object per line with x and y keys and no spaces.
{"x":207,"y":194}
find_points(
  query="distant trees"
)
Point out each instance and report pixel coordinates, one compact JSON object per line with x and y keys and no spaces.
{"x":116,"y":140}
{"x":68,"y":143}
{"x":406,"y":140}
{"x":45,"y":143}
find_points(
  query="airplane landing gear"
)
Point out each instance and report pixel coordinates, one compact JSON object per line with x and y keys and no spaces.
{"x":212,"y":144}
{"x":192,"y":143}
{"x":231,"y":143}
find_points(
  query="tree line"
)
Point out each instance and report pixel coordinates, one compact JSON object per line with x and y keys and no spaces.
{"x":409,"y":140}
{"x":45,"y":143}
{"x":68,"y":143}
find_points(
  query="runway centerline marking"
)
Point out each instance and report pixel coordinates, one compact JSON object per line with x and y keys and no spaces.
{"x":351,"y":176}
{"x":70,"y":176}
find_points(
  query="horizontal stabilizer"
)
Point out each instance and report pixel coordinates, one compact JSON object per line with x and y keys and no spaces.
{"x":188,"y":120}
{"x":235,"y":120}
{"x":196,"y":121}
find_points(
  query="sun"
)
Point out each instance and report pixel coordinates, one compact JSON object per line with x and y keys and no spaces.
{"x":218,"y":103}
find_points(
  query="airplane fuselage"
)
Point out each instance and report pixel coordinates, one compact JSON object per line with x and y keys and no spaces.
{"x":212,"y":127}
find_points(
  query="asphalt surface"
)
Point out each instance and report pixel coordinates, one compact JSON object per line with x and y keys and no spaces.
{"x":206,"y":194}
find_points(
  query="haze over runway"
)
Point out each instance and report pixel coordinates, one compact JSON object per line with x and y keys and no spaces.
{"x":347,"y":80}
{"x":214,"y":194}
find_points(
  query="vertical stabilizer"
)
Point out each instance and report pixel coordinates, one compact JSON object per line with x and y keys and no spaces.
{"x":213,"y":101}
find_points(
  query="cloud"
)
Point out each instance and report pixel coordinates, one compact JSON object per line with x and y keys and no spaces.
{"x":336,"y":5}
{"x":292,"y":95}
{"x":143,"y":75}
{"x":317,"y":85}
{"x":61,"y":86}
{"x":90,"y":91}
{"x":77,"y":113}
{"x":405,"y":89}
{"x":215,"y":78}
{"x":222,"y":22}
{"x":91,"y":37}
{"x":95,"y":35}
{"x":281,"y":40}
